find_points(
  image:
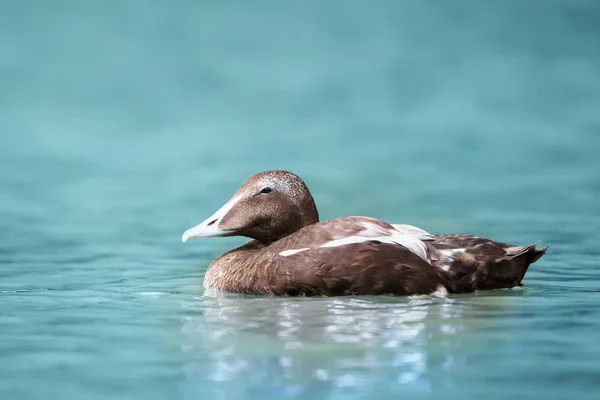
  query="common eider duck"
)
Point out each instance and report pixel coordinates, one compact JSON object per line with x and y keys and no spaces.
{"x":291,"y":253}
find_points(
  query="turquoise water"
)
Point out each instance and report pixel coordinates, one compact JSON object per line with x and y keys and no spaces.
{"x":124,"y":123}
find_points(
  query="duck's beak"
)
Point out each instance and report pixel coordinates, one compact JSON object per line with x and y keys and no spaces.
{"x":210,"y":227}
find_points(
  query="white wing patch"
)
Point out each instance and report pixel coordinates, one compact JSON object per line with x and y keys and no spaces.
{"x":451,"y":252}
{"x":372,"y":231}
{"x":412,"y":230}
{"x":407,"y":236}
{"x":286,"y":253}
{"x":450,"y":255}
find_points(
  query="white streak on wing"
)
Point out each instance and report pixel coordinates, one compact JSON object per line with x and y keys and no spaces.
{"x":413,"y":230}
{"x":290,"y":252}
{"x":449,"y":253}
{"x":410,"y":241}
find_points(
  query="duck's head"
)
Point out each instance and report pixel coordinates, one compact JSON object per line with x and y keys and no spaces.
{"x":267,"y":207}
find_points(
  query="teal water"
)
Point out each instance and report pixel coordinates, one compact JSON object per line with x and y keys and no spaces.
{"x":124,"y":123}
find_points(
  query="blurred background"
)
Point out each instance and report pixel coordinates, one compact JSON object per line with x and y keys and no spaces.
{"x":122,"y":124}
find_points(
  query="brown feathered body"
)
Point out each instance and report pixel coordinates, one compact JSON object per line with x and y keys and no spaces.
{"x":292,"y":254}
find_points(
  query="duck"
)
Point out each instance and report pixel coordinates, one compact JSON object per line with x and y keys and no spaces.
{"x":292,"y":253}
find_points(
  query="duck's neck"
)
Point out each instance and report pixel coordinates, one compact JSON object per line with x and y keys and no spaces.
{"x":296,"y":221}
{"x":237,"y":270}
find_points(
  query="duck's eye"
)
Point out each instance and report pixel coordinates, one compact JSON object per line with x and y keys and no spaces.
{"x":266,"y":190}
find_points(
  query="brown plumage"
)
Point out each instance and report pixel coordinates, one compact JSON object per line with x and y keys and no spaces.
{"x":293,"y":254}
{"x":484,"y":264}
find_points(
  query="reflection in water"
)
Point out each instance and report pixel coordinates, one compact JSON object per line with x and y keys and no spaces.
{"x":305,"y":346}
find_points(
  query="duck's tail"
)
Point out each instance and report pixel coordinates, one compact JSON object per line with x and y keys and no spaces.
{"x":519,"y":258}
{"x":503,"y":271}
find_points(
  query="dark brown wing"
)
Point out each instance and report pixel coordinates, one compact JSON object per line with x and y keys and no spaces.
{"x":368,"y":268}
{"x":475,"y":263}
